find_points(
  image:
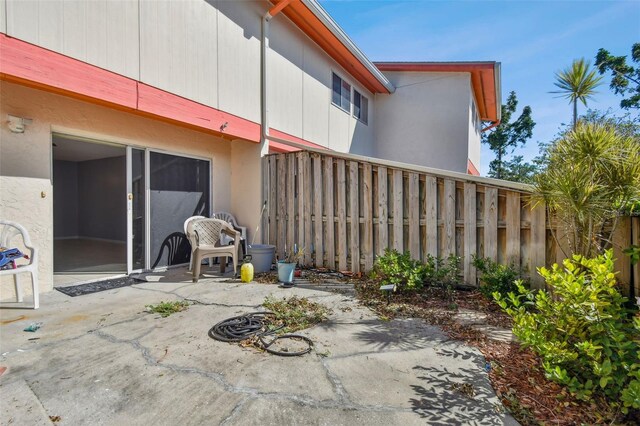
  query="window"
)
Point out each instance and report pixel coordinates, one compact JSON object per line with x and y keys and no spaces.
{"x":341,"y":96}
{"x":360,"y":107}
{"x":475,"y":120}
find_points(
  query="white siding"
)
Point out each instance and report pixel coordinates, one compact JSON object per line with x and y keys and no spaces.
{"x":179,"y":48}
{"x":426,"y":120}
{"x":338,"y":129}
{"x":286,"y":62}
{"x":239,"y":35}
{"x":317,"y":96}
{"x":3,"y":16}
{"x":102,"y":32}
{"x":206,"y":51}
{"x":300,"y":93}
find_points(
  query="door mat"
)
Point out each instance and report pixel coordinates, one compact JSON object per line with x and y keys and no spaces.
{"x":97,"y":286}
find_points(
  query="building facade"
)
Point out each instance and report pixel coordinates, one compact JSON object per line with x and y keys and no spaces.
{"x":140,"y":113}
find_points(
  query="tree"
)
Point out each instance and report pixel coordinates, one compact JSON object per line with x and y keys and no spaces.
{"x":625,"y":125}
{"x":507,"y":136}
{"x":577,"y":83}
{"x":516,"y":170}
{"x":625,"y":79}
{"x":590,"y":177}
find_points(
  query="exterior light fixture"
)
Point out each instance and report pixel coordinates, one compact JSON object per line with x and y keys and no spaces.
{"x":17,"y":124}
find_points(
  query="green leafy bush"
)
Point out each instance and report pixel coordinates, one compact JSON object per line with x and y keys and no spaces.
{"x":581,"y":329}
{"x":406,"y":273}
{"x":443,"y":273}
{"x":400,"y":270}
{"x":495,"y":277}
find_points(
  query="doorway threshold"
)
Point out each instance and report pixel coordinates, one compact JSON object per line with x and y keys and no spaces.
{"x":66,"y":280}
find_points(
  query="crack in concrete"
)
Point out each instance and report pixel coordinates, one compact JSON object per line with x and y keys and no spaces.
{"x":235,"y":412}
{"x":343,"y":401}
{"x":338,"y":388}
{"x":195,"y":301}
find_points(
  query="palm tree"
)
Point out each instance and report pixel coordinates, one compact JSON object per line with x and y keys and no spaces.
{"x":577,"y":83}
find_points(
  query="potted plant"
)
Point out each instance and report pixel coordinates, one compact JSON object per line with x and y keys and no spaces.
{"x":287,"y":266}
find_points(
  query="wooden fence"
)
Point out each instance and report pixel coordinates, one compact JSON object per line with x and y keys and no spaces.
{"x":345,"y":210}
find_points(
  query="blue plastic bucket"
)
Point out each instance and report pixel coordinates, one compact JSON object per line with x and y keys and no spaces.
{"x":285,"y":272}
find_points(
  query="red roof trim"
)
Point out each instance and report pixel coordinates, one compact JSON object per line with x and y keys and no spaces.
{"x":280,"y":147}
{"x":36,"y":67}
{"x":471,"y":168}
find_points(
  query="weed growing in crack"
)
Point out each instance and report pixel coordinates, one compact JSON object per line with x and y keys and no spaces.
{"x":167,"y":308}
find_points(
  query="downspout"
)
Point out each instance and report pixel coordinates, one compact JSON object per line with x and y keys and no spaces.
{"x":491,"y":126}
{"x":264,"y":112}
{"x":264,"y":94}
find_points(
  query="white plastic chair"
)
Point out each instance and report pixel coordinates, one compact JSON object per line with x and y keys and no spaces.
{"x":204,"y":236}
{"x":8,"y":231}
{"x":230,"y":219}
{"x":186,"y":223}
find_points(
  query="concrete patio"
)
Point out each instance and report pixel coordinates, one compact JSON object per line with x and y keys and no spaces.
{"x":102,"y":359}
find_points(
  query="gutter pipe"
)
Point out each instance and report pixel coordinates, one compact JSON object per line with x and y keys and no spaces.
{"x":264,"y":89}
{"x":491,"y":126}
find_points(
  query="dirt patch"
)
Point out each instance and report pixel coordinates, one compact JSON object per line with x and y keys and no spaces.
{"x":75,"y":318}
{"x":20,"y":318}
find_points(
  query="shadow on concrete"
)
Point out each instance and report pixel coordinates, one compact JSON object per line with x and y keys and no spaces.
{"x":406,"y":334}
{"x":438,"y":402}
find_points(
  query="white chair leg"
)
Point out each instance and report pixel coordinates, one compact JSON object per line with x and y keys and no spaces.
{"x":196,"y":269}
{"x":18,"y":284}
{"x":36,"y":290}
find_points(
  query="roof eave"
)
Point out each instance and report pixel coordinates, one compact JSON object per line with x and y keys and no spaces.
{"x":489,"y":112}
{"x":335,"y":29}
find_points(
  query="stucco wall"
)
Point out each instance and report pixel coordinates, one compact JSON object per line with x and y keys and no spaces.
{"x":425,"y":121}
{"x":28,"y":201}
{"x":246,"y":187}
{"x":25,"y":159}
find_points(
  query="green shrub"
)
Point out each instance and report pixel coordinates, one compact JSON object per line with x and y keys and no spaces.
{"x":581,"y":330}
{"x":495,"y":277}
{"x":406,"y":273}
{"x":443,"y":273}
{"x":400,"y":270}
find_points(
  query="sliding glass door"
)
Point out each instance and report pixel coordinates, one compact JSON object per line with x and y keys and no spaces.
{"x":163,"y":191}
{"x":136,"y":209}
{"x":179,"y":189}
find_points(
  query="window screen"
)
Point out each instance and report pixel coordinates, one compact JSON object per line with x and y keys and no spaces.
{"x":360,"y":107}
{"x":341,"y":93}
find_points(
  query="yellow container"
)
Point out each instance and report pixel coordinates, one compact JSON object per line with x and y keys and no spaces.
{"x":246,"y":271}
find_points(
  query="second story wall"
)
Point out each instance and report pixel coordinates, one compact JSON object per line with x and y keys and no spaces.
{"x":425,"y":121}
{"x":208,"y":51}
{"x":103,"y":33}
{"x":300,"y":93}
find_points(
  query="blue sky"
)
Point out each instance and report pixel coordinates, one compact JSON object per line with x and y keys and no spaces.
{"x":532,"y":39}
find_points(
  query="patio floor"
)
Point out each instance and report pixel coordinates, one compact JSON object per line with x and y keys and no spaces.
{"x":101,"y":359}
